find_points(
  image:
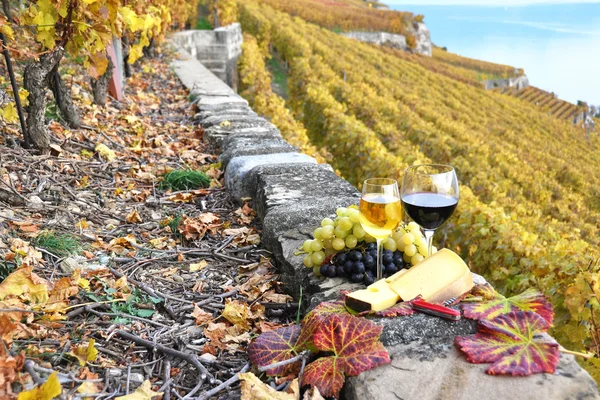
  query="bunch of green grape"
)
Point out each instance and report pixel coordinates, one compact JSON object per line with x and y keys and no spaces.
{"x":345,"y":233}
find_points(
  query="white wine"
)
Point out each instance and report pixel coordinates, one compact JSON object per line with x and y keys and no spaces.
{"x":380,"y":214}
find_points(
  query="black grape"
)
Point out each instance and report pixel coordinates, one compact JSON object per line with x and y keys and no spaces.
{"x":369,"y":261}
{"x":355,"y":255}
{"x":356,"y":278}
{"x":359,"y":267}
{"x":331,"y":271}
{"x":348,"y":267}
{"x":339,"y":271}
{"x":368,"y":280}
{"x":388,"y":258}
{"x":340,"y":259}
{"x":324,"y":269}
{"x":390,"y":268}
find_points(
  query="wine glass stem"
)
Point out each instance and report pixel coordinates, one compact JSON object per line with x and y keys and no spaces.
{"x":379,"y":260}
{"x":429,"y":236}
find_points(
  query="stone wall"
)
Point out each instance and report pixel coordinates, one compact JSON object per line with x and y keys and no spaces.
{"x":218,"y":50}
{"x":420,"y":32}
{"x":291,"y":194}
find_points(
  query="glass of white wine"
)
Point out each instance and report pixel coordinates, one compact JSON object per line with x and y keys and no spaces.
{"x":380,"y":212}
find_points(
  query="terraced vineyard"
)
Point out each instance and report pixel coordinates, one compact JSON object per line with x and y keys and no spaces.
{"x":546,"y":101}
{"x":494,"y":71}
{"x":529,"y":208}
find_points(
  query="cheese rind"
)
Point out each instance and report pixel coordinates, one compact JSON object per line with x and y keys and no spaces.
{"x":437,"y":278}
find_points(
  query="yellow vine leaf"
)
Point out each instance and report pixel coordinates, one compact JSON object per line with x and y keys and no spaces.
{"x":85,"y":353}
{"x":144,"y":392}
{"x":46,"y":391}
{"x":24,"y":281}
{"x":9,"y":113}
{"x":24,"y":97}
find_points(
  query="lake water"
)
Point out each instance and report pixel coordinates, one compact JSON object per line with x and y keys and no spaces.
{"x":558,"y":45}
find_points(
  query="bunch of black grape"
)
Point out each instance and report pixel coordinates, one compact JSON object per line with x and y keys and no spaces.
{"x":360,"y":265}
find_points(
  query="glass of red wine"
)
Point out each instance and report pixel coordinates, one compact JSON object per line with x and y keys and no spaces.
{"x":429,"y":196}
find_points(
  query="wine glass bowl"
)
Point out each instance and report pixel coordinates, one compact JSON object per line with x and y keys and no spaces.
{"x":429,"y":196}
{"x":380,"y":212}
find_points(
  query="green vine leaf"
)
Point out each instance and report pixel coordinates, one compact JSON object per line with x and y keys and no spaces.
{"x":355,"y":345}
{"x":494,"y":304}
{"x":509,"y":342}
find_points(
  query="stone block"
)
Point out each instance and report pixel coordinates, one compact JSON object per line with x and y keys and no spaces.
{"x":239,"y":167}
{"x":199,"y":117}
{"x":292,"y":185}
{"x":217,"y":120}
{"x":218,"y":102}
{"x":433,"y":368}
{"x":237,"y":146}
{"x":216,"y":137}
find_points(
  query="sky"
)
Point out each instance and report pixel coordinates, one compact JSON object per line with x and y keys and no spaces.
{"x":487,"y":2}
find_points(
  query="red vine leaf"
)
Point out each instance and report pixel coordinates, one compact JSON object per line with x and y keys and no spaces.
{"x":274,"y":346}
{"x":315,"y":317}
{"x":355,"y":345}
{"x":495,"y":304}
{"x":509,"y":342}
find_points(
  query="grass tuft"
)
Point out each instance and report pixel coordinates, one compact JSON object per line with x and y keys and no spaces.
{"x":60,"y":244}
{"x":5,"y":270}
{"x":184,"y":180}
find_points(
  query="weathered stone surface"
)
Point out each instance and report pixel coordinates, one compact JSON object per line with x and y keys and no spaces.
{"x":198,"y":79}
{"x":309,"y":183}
{"x":248,"y":146}
{"x":433,"y":368}
{"x":216,"y":135}
{"x":303,"y":213}
{"x":250,"y":184}
{"x":225,"y":120}
{"x":239,"y":167}
{"x":217,"y":102}
{"x":231,"y":113}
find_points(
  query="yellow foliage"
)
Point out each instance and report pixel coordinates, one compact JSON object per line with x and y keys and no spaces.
{"x":85,"y":353}
{"x":23,"y":282}
{"x":105,"y":152}
{"x":9,"y":113}
{"x":144,"y":392}
{"x":46,"y":391}
{"x":254,"y":389}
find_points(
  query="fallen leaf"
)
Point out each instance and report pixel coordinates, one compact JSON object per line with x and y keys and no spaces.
{"x":202,"y":317}
{"x":254,"y":389}
{"x":46,"y":391}
{"x":313,"y":394}
{"x":144,"y":392}
{"x":494,"y":304}
{"x":105,"y":152}
{"x":85,"y":353}
{"x":274,"y":346}
{"x":236,"y":312}
{"x":133,"y":217}
{"x":198,"y":266}
{"x":510,"y":343}
{"x":9,"y":370}
{"x":24,"y":282}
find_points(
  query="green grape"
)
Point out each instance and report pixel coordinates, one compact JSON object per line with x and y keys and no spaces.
{"x":390,"y":244}
{"x":345,"y":223}
{"x":401,"y":246}
{"x":423,"y":250}
{"x":397,"y":236}
{"x":318,"y":257}
{"x":327,"y":244}
{"x":327,"y":232}
{"x":307,"y":245}
{"x":316,"y":245}
{"x":353,"y":214}
{"x":341,"y":211}
{"x":420,"y":241}
{"x":308,"y":261}
{"x":317,"y":233}
{"x":340,"y":233}
{"x":317,"y":270}
{"x":408,"y":239}
{"x":413,"y":226}
{"x":417,"y":258}
{"x":338,"y":244}
{"x":406,"y":258}
{"x":329,"y":252}
{"x":327,"y":222}
{"x":351,"y":241}
{"x":410,"y":250}
{"x":358,"y":231}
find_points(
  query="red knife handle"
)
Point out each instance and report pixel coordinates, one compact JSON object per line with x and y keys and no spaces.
{"x":436,"y":310}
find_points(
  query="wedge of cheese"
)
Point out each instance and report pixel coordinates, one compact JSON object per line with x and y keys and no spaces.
{"x":376,"y":297}
{"x":437,"y":278}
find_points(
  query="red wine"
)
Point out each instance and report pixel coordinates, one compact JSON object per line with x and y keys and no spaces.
{"x":429,"y":210}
